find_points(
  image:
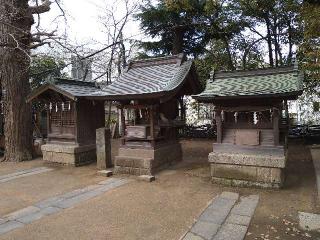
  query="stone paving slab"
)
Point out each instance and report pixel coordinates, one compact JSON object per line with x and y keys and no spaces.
{"x":56,"y":204}
{"x":229,"y":195}
{"x":48,"y":202}
{"x":215,"y":216}
{"x":24,"y":173}
{"x":70,"y":202}
{"x":206,"y":230}
{"x":9,"y":226}
{"x":222,"y":203}
{"x":231,"y":232}
{"x":104,"y":182}
{"x":238,"y":219}
{"x":224,"y":218}
{"x":21,"y":213}
{"x":3,"y":220}
{"x":309,"y":221}
{"x":37,"y":215}
{"x":191,"y":236}
{"x":247,"y":206}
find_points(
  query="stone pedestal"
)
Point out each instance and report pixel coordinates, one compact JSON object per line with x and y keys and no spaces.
{"x":37,"y":147}
{"x":66,"y":154}
{"x":103,"y":144}
{"x":247,"y":166}
{"x":315,"y":153}
{"x":146,"y":161}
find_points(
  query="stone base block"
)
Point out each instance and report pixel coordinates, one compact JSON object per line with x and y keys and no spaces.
{"x":146,"y":178}
{"x":247,"y":170}
{"x":105,"y":173}
{"x":315,"y":153}
{"x":72,"y":155}
{"x":144,"y":161}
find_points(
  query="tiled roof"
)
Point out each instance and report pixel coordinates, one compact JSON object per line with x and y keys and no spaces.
{"x":272,"y":81}
{"x":157,"y":75}
{"x":141,"y":78}
{"x":70,"y":88}
{"x":77,"y":88}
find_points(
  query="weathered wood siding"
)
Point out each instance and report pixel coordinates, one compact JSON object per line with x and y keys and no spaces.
{"x":90,"y":116}
{"x":266,"y":137}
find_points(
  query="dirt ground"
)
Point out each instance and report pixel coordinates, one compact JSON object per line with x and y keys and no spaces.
{"x":276,"y":216}
{"x":163,"y":209}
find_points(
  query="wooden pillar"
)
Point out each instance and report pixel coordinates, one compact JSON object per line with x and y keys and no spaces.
{"x":275,"y":123}
{"x":152,"y":127}
{"x":75,"y":111}
{"x":48,"y":123}
{"x":219,"y":126}
{"x":287,"y":113}
{"x":123,"y":126}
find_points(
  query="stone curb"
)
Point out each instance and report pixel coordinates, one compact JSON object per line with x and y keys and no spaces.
{"x":56,"y":204}
{"x":225,"y":218}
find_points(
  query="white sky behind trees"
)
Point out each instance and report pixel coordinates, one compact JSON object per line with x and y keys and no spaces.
{"x":83,"y":24}
{"x":83,"y":29}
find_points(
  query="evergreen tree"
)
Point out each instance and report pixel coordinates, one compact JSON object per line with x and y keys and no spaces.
{"x":310,"y":48}
{"x":186,"y":26}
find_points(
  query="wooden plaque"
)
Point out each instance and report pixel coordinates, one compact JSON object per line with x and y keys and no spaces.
{"x":247,"y":137}
{"x":137,"y":131}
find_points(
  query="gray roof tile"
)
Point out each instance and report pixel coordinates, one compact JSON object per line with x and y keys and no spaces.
{"x":253,"y":83}
{"x":150,"y":76}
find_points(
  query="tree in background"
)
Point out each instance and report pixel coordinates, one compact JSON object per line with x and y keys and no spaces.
{"x":276,"y":23}
{"x":225,"y":35}
{"x":44,"y":69}
{"x":310,"y":47}
{"x":185,"y":26}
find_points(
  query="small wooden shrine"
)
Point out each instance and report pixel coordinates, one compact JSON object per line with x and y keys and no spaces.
{"x":251,"y":116}
{"x":151,"y":92}
{"x":72,"y":120}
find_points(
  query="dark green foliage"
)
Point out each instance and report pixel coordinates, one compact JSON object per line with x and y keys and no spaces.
{"x":189,"y":25}
{"x":45,"y":69}
{"x":235,"y":34}
{"x":310,"y":48}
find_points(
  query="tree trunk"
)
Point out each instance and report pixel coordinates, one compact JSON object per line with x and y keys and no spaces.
{"x":230,"y":62}
{"x":178,"y":40}
{"x":15,"y":39}
{"x":269,"y":40}
{"x":289,"y":61}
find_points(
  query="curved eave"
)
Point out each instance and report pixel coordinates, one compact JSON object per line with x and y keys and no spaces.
{"x":288,"y":96}
{"x":162,"y":96}
{"x":128,"y":96}
{"x":37,"y":92}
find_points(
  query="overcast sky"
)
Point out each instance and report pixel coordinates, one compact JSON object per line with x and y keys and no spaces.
{"x":83,"y":20}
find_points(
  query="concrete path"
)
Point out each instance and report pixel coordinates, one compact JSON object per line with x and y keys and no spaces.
{"x":23,"y":173}
{"x":225,"y":218}
{"x":53,"y":205}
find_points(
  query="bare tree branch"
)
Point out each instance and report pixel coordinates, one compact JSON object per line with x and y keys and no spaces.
{"x":42,"y":8}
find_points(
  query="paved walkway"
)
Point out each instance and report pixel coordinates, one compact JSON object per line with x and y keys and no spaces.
{"x":226,"y":218}
{"x":23,"y":173}
{"x":53,"y":205}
